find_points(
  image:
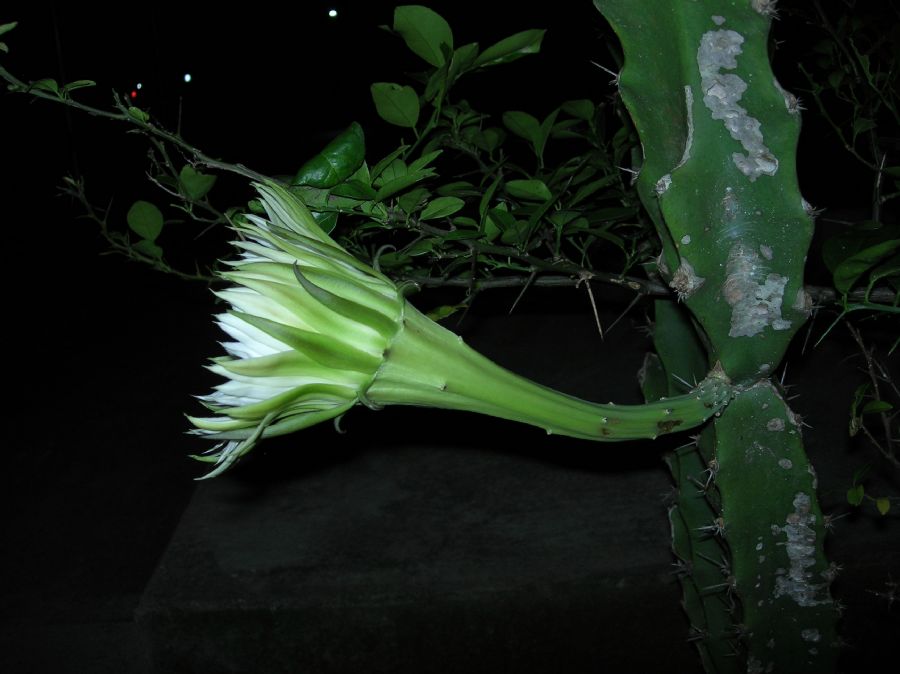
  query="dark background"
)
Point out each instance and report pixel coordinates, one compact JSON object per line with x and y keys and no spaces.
{"x":103,"y":354}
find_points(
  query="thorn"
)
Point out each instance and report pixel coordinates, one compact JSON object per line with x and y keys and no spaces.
{"x":615,"y":80}
{"x":681,"y":380}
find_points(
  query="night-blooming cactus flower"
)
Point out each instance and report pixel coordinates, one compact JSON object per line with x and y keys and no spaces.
{"x":315,"y":331}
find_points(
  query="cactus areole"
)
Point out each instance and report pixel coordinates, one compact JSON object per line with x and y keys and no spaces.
{"x":718,"y":177}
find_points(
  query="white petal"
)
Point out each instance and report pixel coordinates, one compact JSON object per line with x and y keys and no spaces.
{"x":252,"y":339}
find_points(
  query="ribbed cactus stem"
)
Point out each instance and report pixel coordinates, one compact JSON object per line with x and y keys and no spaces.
{"x":718,"y":177}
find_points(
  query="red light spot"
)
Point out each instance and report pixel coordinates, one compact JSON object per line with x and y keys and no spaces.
{"x":134,"y":93}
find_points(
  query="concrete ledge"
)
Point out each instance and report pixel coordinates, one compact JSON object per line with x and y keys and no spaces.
{"x":417,"y":559}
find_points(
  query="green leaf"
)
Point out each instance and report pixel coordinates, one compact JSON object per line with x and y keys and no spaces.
{"x":420,"y":247}
{"x":412,"y":200}
{"x":442,"y":207}
{"x":485,"y":201}
{"x":138,"y":114}
{"x":523,"y":125}
{"x":511,"y":48}
{"x":887,"y":270}
{"x":326,"y":221}
{"x":462,"y":60}
{"x":855,"y":494}
{"x":396,"y":104}
{"x":443,"y":311}
{"x":877,"y":406}
{"x":336,"y":162}
{"x":45,"y":84}
{"x":835,"y":78}
{"x":497,"y":221}
{"x":400,"y":183}
{"x":590,"y":188}
{"x":424,"y":160}
{"x":581,"y":108}
{"x":861,"y":125}
{"x":195,"y":184}
{"x":848,"y":272}
{"x":6,"y":27}
{"x":396,"y":169}
{"x":489,"y":139}
{"x":149,"y":248}
{"x":145,"y":220}
{"x":458,"y":188}
{"x":883,"y":504}
{"x":465,"y":221}
{"x":379,"y":168}
{"x":533,"y":190}
{"x":354,"y":189}
{"x":79,"y":84}
{"x":424,"y":31}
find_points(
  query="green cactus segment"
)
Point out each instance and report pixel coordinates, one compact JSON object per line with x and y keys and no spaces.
{"x":702,"y":558}
{"x":774,"y":529}
{"x":719,"y":175}
{"x":703,"y":562}
{"x":427,"y":365}
{"x":678,"y":346}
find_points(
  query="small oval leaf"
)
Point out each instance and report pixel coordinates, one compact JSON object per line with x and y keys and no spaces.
{"x":855,"y":495}
{"x":424,"y":31}
{"x":396,"y":104}
{"x":442,"y":207}
{"x":337,"y":161}
{"x":145,"y":220}
{"x":194,"y":183}
{"x":511,"y":48}
{"x":532,"y":190}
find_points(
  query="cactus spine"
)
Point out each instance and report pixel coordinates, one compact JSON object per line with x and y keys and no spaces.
{"x":719,"y":179}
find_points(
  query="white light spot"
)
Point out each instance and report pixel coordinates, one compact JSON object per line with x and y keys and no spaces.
{"x":187,"y":77}
{"x":332,"y":13}
{"x":139,"y":86}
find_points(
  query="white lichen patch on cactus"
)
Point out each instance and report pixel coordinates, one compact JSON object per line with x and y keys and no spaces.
{"x":663,"y":184}
{"x":776,"y":424}
{"x":686,"y":239}
{"x":722,"y":93}
{"x":718,"y":20}
{"x":685,"y":280}
{"x":755,"y":296}
{"x":787,"y":464}
{"x":766,"y":251}
{"x":800,"y":546}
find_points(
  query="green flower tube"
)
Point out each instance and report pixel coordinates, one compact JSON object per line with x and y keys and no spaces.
{"x":315,"y":332}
